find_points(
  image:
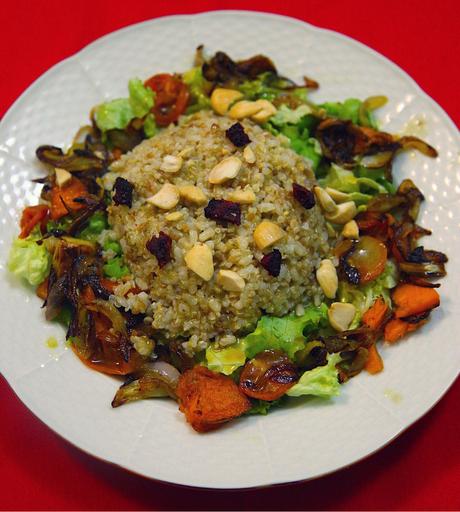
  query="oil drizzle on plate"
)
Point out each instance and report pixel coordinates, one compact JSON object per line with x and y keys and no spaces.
{"x":393,"y":395}
{"x":52,"y":342}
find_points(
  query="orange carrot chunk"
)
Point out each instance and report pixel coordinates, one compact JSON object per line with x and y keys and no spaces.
{"x":375,"y":315}
{"x":63,"y":198}
{"x":395,"y":329}
{"x":413,"y":300}
{"x":374,"y":363}
{"x":209,"y":399}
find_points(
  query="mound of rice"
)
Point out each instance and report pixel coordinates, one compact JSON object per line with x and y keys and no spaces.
{"x":183,"y":305}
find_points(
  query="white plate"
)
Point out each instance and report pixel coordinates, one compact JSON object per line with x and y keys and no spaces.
{"x":151,"y":437}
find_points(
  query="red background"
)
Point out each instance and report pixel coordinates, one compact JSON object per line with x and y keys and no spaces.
{"x":421,"y":469}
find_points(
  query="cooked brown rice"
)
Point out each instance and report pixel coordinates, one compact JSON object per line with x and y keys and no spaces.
{"x":183,"y":305}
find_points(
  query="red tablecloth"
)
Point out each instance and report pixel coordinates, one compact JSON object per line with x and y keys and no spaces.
{"x":421,"y":469}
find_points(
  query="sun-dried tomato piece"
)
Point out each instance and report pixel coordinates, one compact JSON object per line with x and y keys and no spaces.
{"x":304,"y":196}
{"x":123,"y":192}
{"x":160,"y":247}
{"x":237,"y":135}
{"x":223,"y":211}
{"x":272,"y":262}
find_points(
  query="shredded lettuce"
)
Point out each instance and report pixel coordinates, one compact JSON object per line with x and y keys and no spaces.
{"x":349,"y":111}
{"x":321,"y":381}
{"x":115,"y":268}
{"x":29,"y":260}
{"x":297,"y":125}
{"x":259,"y":88}
{"x":363,"y":297}
{"x":360,"y":188}
{"x":141,"y":98}
{"x":196,"y":83}
{"x":117,"y":114}
{"x":97,"y":223}
{"x":272,"y":333}
{"x":226,"y":360}
{"x":150,"y":126}
{"x":287,"y":333}
{"x":286,"y":115}
{"x":262,"y":406}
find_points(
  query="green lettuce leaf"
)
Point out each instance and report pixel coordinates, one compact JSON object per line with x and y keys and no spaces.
{"x":97,"y":223}
{"x":259,"y":88}
{"x":346,"y":111}
{"x":362,"y":297}
{"x":297,"y":125}
{"x":262,"y":406}
{"x":360,"y":188}
{"x":225,"y":360}
{"x":287,"y":333}
{"x":321,"y":381}
{"x":117,"y":114}
{"x":286,"y":115}
{"x":29,"y":260}
{"x":196,"y":83}
{"x":150,"y":126}
{"x":141,"y":98}
{"x":116,"y":268}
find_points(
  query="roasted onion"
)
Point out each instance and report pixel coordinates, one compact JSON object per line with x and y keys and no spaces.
{"x":268,"y":375}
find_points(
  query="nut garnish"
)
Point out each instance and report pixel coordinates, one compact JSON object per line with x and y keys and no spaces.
{"x":249,"y":155}
{"x":245,"y":196}
{"x":326,"y":276}
{"x":325,"y":200}
{"x":221,"y":99}
{"x":171,"y":164}
{"x":344,"y":213}
{"x":351,"y":230}
{"x":166,"y":198}
{"x":341,"y":315}
{"x":266,"y":111}
{"x":192,"y":194}
{"x":267,"y":233}
{"x":62,"y":177}
{"x":174,"y":216}
{"x":199,"y":260}
{"x":244,"y":108}
{"x":230,"y":281}
{"x":225,"y":170}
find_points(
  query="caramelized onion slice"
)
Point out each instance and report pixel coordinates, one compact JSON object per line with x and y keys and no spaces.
{"x":268,"y":375}
{"x":153,"y":380}
{"x":352,"y":363}
{"x":78,"y":161}
{"x":350,"y":340}
{"x":423,"y":269}
{"x":411,"y":142}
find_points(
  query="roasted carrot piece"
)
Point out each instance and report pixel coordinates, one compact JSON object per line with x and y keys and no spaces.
{"x":375,"y":315}
{"x":374,"y":363}
{"x":209,"y":399}
{"x":109,"y":285}
{"x":412,"y":300}
{"x":65,"y":196}
{"x":31,"y":216}
{"x":395,"y":329}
